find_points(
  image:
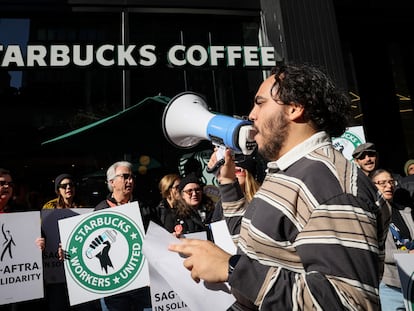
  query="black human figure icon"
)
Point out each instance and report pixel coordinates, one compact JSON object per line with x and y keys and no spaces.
{"x":7,"y":244}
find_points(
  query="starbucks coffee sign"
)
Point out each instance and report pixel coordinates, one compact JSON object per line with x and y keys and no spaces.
{"x":110,"y":55}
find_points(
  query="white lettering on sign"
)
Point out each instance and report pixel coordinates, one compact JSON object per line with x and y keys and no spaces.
{"x":109,"y":55}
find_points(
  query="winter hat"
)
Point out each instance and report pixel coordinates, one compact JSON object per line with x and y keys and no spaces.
{"x":367,"y":147}
{"x":248,"y":163}
{"x":59,"y":179}
{"x":407,"y":165}
{"x":190,"y":178}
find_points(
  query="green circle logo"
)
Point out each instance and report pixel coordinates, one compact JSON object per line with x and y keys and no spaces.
{"x":347,"y":143}
{"x":105,"y":251}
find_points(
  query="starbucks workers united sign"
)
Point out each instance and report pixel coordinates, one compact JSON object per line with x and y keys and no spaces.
{"x":104,"y":251}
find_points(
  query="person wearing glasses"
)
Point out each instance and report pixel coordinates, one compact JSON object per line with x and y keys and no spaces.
{"x":170,"y":195}
{"x":121,"y":183}
{"x":193,"y":210}
{"x":66,"y":193}
{"x":312,"y":237}
{"x":6,"y":191}
{"x":56,"y":293}
{"x":7,"y":205}
{"x":399,"y":240}
{"x":366,"y":157}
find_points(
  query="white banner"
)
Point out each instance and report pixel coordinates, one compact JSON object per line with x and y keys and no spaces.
{"x":201,"y":296}
{"x":405,"y":263}
{"x":21,"y":268}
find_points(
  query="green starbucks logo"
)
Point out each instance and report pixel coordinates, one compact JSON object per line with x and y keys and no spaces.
{"x":105,"y":251}
{"x":347,"y":143}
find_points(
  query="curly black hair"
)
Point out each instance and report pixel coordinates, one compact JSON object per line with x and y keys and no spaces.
{"x":324,"y":104}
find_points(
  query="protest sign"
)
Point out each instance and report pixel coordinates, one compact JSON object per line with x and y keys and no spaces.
{"x":21,"y":269}
{"x":105,"y":253}
{"x":53,"y":267}
{"x":200,"y":296}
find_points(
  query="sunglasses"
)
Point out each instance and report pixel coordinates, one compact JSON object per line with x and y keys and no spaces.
{"x":64,"y":186}
{"x":367,"y":153}
{"x":6,"y":183}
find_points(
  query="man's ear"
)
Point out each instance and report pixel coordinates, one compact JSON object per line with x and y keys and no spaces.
{"x":295,"y":111}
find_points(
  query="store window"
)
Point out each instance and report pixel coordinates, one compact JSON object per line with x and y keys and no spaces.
{"x":47,"y":98}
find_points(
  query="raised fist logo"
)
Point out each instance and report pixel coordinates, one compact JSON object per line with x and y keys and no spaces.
{"x":100,"y":246}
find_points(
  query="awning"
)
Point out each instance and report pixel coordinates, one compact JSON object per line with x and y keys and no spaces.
{"x":135,"y":131}
{"x":114,"y":120}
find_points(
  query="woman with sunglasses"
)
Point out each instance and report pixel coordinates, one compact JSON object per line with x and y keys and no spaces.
{"x":66,"y":192}
{"x":56,"y":293}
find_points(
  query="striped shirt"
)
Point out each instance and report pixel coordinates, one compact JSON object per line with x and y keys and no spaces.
{"x":313,"y":236}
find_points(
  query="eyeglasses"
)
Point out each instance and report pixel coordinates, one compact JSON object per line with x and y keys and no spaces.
{"x":64,"y":186}
{"x":174,"y":187}
{"x":126,"y":176}
{"x":190,"y":191}
{"x":383,"y":183}
{"x":370,"y":154}
{"x":6,"y":183}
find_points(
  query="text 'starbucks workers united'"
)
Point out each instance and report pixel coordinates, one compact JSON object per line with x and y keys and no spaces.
{"x":105,"y":251}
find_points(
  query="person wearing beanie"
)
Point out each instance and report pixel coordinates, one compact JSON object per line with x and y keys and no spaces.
{"x":194,"y":208}
{"x":409,"y":167}
{"x":66,"y":192}
{"x":56,"y":295}
{"x":406,"y":183}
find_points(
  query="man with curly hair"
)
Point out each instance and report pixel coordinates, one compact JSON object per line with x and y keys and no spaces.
{"x":313,"y":236}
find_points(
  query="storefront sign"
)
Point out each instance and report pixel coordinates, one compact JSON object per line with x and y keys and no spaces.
{"x":109,"y":55}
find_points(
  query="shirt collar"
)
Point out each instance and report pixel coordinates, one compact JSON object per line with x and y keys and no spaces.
{"x":314,"y":142}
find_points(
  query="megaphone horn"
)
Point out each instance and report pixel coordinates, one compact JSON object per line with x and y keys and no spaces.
{"x":186,"y":121}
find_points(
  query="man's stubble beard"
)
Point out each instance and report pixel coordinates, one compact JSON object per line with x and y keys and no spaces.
{"x":274,"y":133}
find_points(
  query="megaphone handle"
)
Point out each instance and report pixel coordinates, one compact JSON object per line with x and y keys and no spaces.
{"x":216,"y":166}
{"x":220,"y":160}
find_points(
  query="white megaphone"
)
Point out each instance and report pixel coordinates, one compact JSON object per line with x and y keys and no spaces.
{"x":186,"y":122}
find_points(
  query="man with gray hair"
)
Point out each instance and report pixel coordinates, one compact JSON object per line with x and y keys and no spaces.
{"x":121,"y":183}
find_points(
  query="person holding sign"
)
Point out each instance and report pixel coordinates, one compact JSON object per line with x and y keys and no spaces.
{"x":313,"y":236}
{"x":121,"y":183}
{"x":57,"y":292}
{"x":399,"y":240}
{"x":8,"y":244}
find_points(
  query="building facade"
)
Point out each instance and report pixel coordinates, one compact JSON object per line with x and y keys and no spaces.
{"x":84,"y":83}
